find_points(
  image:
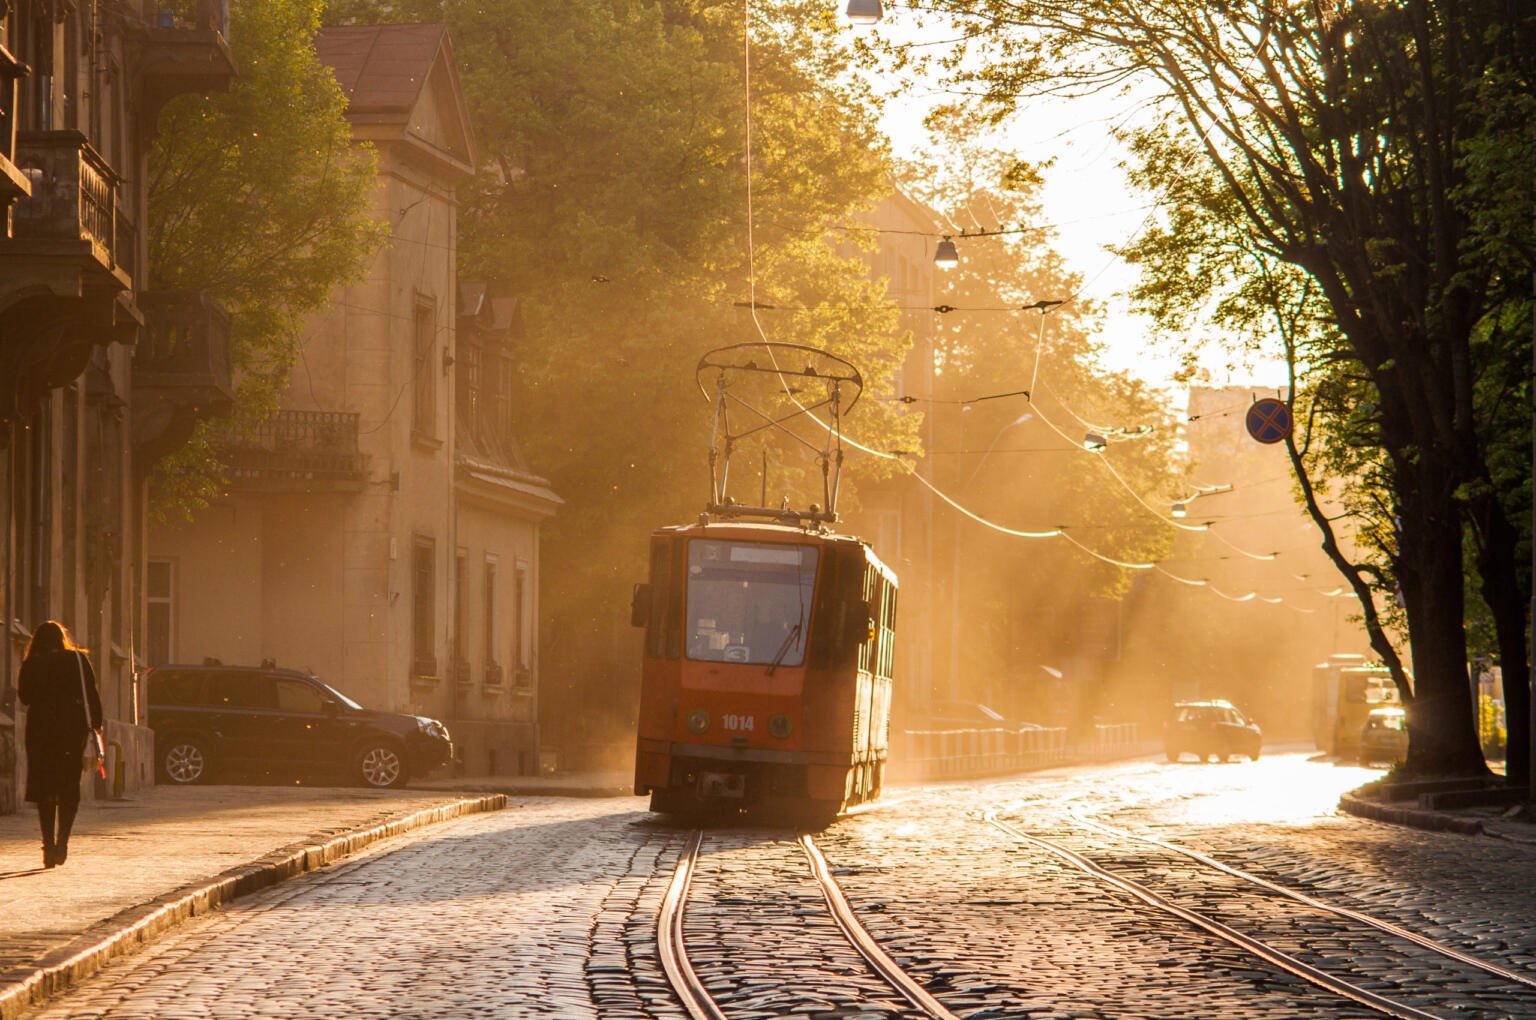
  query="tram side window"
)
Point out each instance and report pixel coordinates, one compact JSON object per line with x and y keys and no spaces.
{"x":876,"y":654}
{"x":660,"y":596}
{"x":887,"y":630}
{"x":839,"y":610}
{"x":672,"y":615}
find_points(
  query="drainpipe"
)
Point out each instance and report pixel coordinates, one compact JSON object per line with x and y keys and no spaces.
{"x":8,"y":597}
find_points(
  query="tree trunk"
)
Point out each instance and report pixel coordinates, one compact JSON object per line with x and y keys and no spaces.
{"x":1507,"y":602}
{"x":1442,"y":730}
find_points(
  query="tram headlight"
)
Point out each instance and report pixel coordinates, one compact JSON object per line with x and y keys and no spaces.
{"x":780,"y":726}
{"x":698,"y":721}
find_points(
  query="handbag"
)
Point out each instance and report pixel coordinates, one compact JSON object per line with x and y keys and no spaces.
{"x":95,"y":758}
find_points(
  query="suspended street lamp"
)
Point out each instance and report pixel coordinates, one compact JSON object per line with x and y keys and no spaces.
{"x":946,"y":256}
{"x":864,"y":12}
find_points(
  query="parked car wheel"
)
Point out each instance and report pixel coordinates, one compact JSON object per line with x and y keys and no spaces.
{"x":184,"y":762}
{"x":381,"y":766}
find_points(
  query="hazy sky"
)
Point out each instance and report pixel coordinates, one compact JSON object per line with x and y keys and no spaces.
{"x":1086,"y":196}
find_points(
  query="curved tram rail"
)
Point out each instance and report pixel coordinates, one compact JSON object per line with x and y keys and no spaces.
{"x":690,"y":989}
{"x":1257,"y":947}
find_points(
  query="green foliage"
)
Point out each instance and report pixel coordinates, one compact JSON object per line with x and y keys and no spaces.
{"x":259,"y":197}
{"x":612,"y":199}
{"x":1368,"y":165}
{"x":1019,"y":461}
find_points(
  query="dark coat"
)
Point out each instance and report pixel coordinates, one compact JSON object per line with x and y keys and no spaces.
{"x":49,"y":685}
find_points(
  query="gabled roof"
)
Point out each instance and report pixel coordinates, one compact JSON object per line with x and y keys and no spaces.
{"x":401,"y":85}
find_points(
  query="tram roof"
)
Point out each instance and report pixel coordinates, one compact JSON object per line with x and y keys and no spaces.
{"x":774,"y":532}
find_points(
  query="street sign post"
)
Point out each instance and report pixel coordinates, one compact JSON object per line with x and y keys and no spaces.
{"x":1269,"y":420}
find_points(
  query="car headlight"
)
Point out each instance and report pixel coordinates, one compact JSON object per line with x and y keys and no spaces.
{"x":698,"y":721}
{"x":431,"y":727}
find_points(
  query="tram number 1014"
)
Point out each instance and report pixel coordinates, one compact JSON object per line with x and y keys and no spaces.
{"x":737,"y":723}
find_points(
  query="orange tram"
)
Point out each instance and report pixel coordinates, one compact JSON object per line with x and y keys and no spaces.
{"x":766,"y":677}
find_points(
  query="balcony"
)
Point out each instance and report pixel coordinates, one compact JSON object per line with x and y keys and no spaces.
{"x":181,"y":369}
{"x":493,"y":676}
{"x":298,"y":451}
{"x":178,"y":53}
{"x":13,"y":183}
{"x":65,"y":234}
{"x":461,"y":672}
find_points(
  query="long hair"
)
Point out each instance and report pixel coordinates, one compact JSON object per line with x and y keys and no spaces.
{"x":52,"y":636}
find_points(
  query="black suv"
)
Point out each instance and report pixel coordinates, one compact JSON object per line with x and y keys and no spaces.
{"x":208,"y":718}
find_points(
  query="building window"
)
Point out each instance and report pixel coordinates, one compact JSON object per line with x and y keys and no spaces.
{"x":460,"y":614}
{"x":423,"y":607}
{"x":472,"y":384}
{"x":424,"y":408}
{"x":160,"y":601}
{"x":490,"y":611}
{"x":503,"y":408}
{"x":521,"y":629}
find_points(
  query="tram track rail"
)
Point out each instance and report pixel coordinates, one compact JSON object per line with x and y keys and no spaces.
{"x":1396,"y":930}
{"x":1258,"y":947}
{"x":692,"y":992}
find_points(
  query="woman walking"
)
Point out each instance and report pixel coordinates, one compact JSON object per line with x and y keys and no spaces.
{"x":58,"y":686}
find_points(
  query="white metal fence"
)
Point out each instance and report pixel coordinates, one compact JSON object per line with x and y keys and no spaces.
{"x":941,"y":754}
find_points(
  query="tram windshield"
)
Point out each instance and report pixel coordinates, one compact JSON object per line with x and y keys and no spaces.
{"x":749,"y":601}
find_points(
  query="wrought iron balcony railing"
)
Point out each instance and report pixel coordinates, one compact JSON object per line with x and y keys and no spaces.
{"x":299,"y":450}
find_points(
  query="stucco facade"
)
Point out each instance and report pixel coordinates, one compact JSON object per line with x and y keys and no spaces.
{"x":91,"y":395}
{"x":350,"y":542}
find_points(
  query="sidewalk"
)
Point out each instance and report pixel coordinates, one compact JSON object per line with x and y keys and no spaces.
{"x":141,"y":865}
{"x":1444,"y":806}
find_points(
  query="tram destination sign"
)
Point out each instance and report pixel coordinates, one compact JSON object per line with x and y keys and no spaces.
{"x":1269,"y":420}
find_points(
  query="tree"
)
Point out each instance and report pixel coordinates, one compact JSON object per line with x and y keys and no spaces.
{"x":612,"y":200}
{"x":1018,"y":385}
{"x":1344,"y":134}
{"x":260,"y":198}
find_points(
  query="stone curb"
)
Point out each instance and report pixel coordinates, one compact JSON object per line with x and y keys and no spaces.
{"x":24,"y":987}
{"x":514,"y":790}
{"x":1434,"y":821}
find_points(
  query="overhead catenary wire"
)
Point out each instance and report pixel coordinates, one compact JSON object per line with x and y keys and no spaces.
{"x":1044,"y":308}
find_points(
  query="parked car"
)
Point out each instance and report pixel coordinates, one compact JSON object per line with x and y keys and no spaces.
{"x":1210,"y":729}
{"x":211,"y":719}
{"x":1384,"y":737}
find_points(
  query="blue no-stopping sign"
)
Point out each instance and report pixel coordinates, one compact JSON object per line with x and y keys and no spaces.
{"x":1269,"y":420}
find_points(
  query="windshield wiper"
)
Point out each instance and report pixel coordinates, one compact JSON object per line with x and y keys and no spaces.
{"x":789,"y":641}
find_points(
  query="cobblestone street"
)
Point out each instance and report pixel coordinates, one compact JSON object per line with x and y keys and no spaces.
{"x":549,"y":909}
